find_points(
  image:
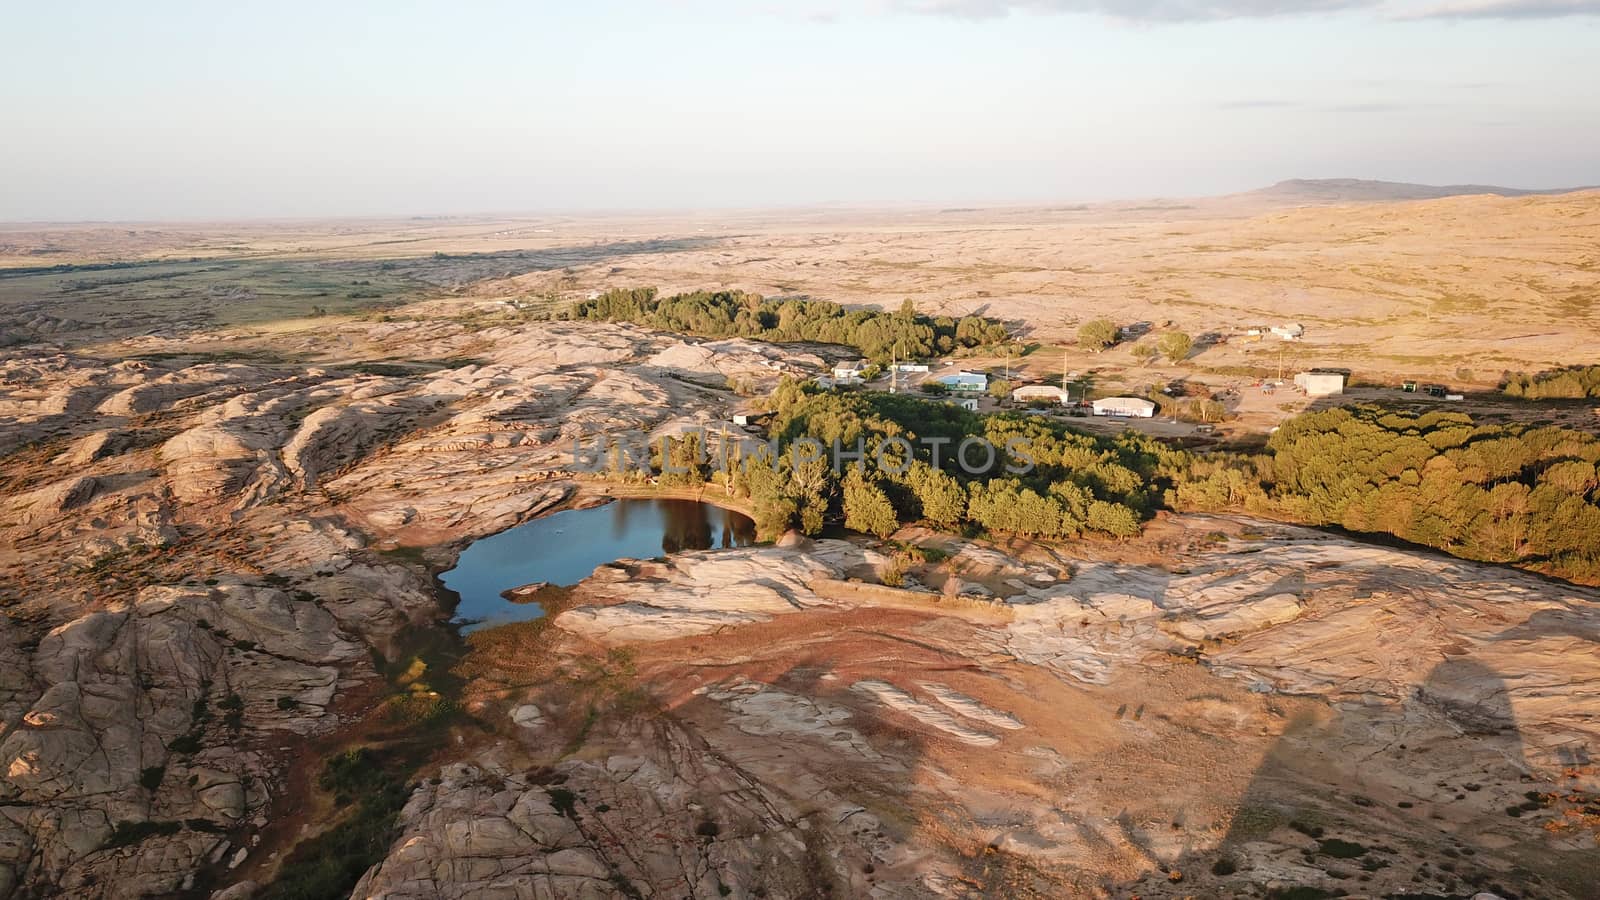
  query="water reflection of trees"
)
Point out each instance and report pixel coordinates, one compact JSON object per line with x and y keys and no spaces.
{"x":738,"y":530}
{"x":691,"y":525}
{"x":621,"y":517}
{"x":684,"y":526}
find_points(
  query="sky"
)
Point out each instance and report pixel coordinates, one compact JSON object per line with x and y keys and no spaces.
{"x":172,"y":109}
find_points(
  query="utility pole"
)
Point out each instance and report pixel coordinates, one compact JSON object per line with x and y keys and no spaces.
{"x":894,"y":371}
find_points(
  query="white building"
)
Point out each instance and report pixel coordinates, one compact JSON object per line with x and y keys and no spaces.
{"x":849,"y":373}
{"x":1131,"y":407}
{"x":970,"y":404}
{"x":911,"y":368}
{"x":1289,"y":332}
{"x":1320,"y":384}
{"x":1030,"y":393}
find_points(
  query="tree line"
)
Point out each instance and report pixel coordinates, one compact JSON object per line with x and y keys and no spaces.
{"x":1516,"y":494}
{"x":1025,"y":476}
{"x":880,"y":336}
{"x":1504,"y":493}
{"x":1572,"y":383}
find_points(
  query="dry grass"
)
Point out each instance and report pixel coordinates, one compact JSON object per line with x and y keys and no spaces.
{"x":1485,"y":282}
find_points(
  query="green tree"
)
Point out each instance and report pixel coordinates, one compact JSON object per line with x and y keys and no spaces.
{"x":1097,"y":335}
{"x":999,"y":388}
{"x":811,"y":484}
{"x":1145,"y":353}
{"x":943,"y":500}
{"x":686,"y":462}
{"x":1175,"y":346}
{"x":866,"y":507}
{"x":775,"y":515}
{"x":1113,"y":519}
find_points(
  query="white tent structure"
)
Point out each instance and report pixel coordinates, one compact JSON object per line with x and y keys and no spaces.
{"x":1031,"y":392}
{"x":1129,"y":407}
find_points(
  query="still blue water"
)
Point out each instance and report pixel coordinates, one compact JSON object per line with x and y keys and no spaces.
{"x":564,"y":548}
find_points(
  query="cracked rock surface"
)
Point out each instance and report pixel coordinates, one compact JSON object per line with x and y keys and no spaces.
{"x":200,"y":560}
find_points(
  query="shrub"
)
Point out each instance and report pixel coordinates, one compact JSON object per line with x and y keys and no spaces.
{"x":1175,"y":346}
{"x":1097,"y":335}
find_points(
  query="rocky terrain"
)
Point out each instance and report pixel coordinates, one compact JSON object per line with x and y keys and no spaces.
{"x":216,"y":559}
{"x":195,"y":575}
{"x":1270,"y":707}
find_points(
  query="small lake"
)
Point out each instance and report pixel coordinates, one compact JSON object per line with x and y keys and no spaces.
{"x":566,"y":547}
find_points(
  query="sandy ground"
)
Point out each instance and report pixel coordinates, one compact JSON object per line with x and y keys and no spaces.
{"x":1455,"y":290}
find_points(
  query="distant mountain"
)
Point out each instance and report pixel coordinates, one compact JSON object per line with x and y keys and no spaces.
{"x":1359,"y":190}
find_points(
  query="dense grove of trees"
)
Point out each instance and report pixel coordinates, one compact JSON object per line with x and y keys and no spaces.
{"x":1505,"y":493}
{"x":1039,"y":479}
{"x":1573,"y":383}
{"x":903,"y":334}
{"x":1499,"y":493}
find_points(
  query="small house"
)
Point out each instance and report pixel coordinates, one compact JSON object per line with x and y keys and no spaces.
{"x":970,"y":404}
{"x":1290,"y":332}
{"x":1128,"y":407}
{"x":849,"y":373}
{"x":1032,"y":393}
{"x":911,"y":368}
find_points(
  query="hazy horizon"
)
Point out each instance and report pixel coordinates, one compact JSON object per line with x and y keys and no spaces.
{"x":177,"y":111}
{"x":709,"y":210}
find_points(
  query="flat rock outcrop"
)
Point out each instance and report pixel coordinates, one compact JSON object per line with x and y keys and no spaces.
{"x":1249,"y":714}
